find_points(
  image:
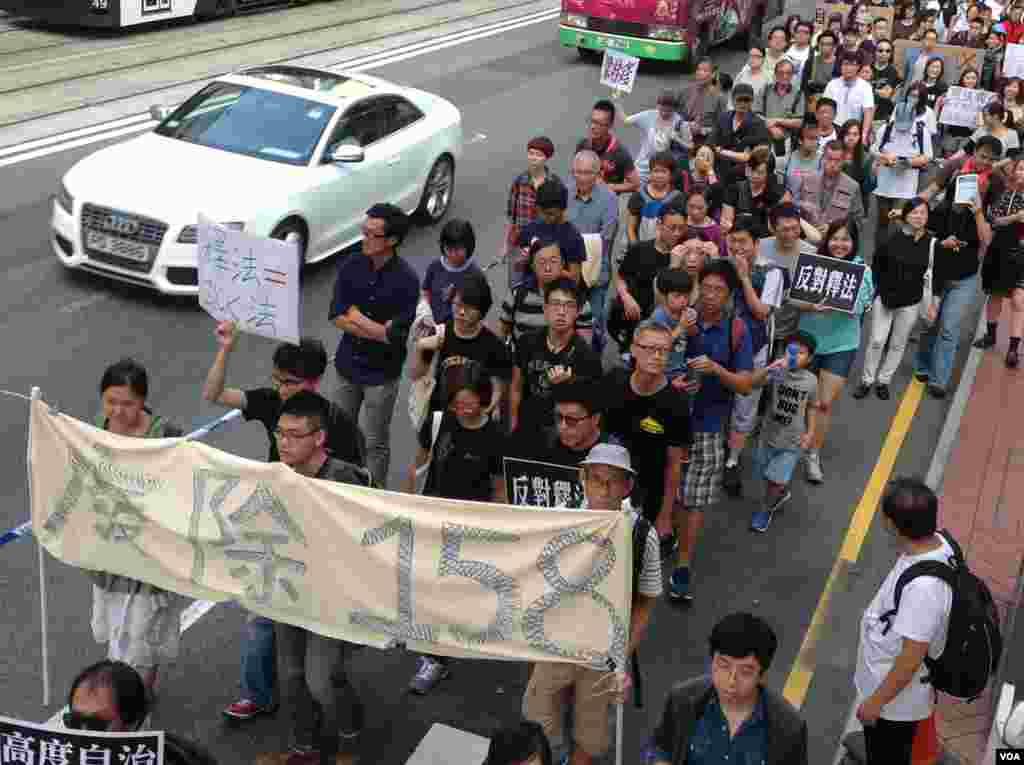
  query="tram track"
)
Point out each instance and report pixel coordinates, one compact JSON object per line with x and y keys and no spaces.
{"x":43,"y":84}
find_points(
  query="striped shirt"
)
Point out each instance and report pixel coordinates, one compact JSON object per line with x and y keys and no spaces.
{"x":524,"y":310}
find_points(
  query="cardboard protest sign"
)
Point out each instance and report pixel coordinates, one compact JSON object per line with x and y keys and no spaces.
{"x":250,"y":280}
{"x":868,"y":13}
{"x":955,"y":58}
{"x":379,"y":568}
{"x":962,"y":105}
{"x":31,"y":743}
{"x":1013,"y":64}
{"x":827,"y":281}
{"x":618,"y":70}
{"x":542,"y":484}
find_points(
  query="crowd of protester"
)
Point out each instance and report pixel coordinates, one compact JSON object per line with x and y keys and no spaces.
{"x":647,"y":335}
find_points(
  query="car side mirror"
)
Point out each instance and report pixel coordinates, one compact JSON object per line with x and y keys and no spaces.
{"x":347,"y":153}
{"x":160,"y":113}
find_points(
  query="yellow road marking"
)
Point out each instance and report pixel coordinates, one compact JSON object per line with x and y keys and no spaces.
{"x":802,"y":672}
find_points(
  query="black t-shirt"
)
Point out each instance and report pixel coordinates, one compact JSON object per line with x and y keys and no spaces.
{"x":535,"y":360}
{"x":616,"y":161}
{"x":486,"y":349}
{"x":463,"y":461}
{"x":739,"y":197}
{"x":639,"y":268}
{"x":554,"y":451}
{"x":344,"y":439}
{"x":340,"y":471}
{"x":647,"y":426}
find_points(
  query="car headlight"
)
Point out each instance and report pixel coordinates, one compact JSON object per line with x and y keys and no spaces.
{"x":574,"y":20}
{"x":65,"y":200}
{"x":673,"y":34}
{"x":190,"y":234}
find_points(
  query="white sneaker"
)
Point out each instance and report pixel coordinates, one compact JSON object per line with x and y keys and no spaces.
{"x":430,"y":673}
{"x":814,"y":474}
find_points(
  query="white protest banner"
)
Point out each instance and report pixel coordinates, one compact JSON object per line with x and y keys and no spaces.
{"x":30,"y":743}
{"x":467,"y":579}
{"x":961,"y":106}
{"x":250,"y":280}
{"x":1013,"y":64}
{"x":896,"y":182}
{"x":618,"y":70}
{"x":966,"y":189}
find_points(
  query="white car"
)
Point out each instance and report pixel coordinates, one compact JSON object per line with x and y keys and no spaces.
{"x":293,"y":153}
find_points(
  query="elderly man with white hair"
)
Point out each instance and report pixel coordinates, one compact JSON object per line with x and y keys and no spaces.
{"x":594,"y":209}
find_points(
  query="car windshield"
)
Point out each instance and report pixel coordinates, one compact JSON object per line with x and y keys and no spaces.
{"x":252,"y":121}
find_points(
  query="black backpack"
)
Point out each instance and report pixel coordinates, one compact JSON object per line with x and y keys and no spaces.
{"x":918,"y":135}
{"x":640,"y":530}
{"x":974,"y":643}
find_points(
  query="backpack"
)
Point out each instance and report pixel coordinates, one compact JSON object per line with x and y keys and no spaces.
{"x":974,"y":643}
{"x":919,"y":135}
{"x":641,"y":528}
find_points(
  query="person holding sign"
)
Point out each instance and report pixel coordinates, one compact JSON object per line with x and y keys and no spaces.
{"x":902,"y":149}
{"x":578,"y":427}
{"x":899,"y":268}
{"x":608,"y":477}
{"x":838,"y":335}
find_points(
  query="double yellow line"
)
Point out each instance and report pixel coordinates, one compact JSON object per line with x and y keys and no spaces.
{"x":802,"y":672}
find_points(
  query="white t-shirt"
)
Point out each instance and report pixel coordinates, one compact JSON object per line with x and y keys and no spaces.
{"x":852,"y":99}
{"x":799,"y":59}
{"x":902,"y":182}
{"x":923,"y":617}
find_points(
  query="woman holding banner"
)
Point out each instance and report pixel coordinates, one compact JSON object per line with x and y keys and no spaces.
{"x":139,"y":623}
{"x":955,"y":135}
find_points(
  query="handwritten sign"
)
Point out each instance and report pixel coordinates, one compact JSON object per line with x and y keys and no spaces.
{"x":956,"y":58}
{"x":961,"y":106}
{"x":32,"y":743}
{"x":542,"y":484}
{"x":866,"y":13}
{"x":1013,"y":64}
{"x":618,"y":70}
{"x":378,"y":568}
{"x":966,"y":189}
{"x":250,"y":280}
{"x":827,"y":281}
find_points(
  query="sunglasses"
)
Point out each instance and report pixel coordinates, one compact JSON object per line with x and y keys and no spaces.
{"x":78,"y":721}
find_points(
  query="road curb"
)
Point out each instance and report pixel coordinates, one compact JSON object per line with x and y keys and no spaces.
{"x":936,"y":471}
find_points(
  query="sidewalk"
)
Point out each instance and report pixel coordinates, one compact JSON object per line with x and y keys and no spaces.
{"x":983,"y":477}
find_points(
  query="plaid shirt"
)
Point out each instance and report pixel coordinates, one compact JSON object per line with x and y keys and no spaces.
{"x":522,"y":199}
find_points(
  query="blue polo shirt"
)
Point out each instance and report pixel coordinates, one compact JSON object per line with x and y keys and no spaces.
{"x":713,"y":403}
{"x":389,"y":294}
{"x":711,"y":744}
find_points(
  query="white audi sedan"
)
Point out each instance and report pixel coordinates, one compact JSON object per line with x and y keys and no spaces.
{"x":281,"y":151}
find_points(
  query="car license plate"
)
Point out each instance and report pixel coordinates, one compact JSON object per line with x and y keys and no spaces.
{"x":614,"y":42}
{"x":116,"y":246}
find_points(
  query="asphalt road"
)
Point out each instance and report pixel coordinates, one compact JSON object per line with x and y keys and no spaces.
{"x":61,"y":330}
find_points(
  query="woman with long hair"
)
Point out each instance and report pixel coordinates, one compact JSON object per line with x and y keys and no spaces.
{"x":857,"y":159}
{"x":1002,"y":274}
{"x":909,"y":113}
{"x":898,"y":269}
{"x":140,"y":623}
{"x":838,"y":335}
{"x":955,"y":136}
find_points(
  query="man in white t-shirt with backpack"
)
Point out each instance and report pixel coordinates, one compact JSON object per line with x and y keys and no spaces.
{"x":902,"y":658}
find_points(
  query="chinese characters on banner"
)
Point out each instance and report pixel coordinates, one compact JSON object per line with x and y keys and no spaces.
{"x":542,"y":484}
{"x":827,"y":281}
{"x":250,"y":280}
{"x":27,"y":743}
{"x":618,"y":70}
{"x":962,"y":105}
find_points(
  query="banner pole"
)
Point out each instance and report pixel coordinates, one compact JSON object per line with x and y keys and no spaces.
{"x":618,"y":734}
{"x":44,"y":620}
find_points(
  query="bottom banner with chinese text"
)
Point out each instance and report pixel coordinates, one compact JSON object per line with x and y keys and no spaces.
{"x":37,"y":744}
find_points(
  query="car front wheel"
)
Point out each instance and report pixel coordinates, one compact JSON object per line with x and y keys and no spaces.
{"x":437,"y":192}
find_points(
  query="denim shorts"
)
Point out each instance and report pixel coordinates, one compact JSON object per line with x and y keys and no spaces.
{"x":775,"y":464}
{"x":839,"y":363}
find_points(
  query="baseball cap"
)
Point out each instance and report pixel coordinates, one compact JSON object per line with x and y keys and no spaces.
{"x":742,"y":90}
{"x":610,"y":454}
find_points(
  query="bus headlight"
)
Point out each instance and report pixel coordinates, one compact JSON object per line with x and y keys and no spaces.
{"x":673,"y":34}
{"x":574,"y":20}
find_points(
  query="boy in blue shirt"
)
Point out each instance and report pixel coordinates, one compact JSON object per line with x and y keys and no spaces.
{"x":677,"y":285}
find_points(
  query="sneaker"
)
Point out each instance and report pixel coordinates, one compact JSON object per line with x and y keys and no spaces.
{"x":814,"y":474}
{"x":669,"y":544}
{"x":732,"y":481}
{"x":761,"y":520}
{"x":937,"y":391}
{"x":783,"y":499}
{"x":985,"y":342}
{"x":882,"y":391}
{"x":861,"y":390}
{"x":430,"y":673}
{"x":303,"y":757}
{"x":679,"y":585}
{"x":244,"y":709}
{"x":348,"y":743}
{"x":921,"y":377}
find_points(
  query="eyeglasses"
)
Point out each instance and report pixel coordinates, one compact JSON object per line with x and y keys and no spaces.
{"x":291,"y":435}
{"x":572,"y":422}
{"x":654,"y":350}
{"x":562,"y":305}
{"x":280,"y":382}
{"x":79,"y":721}
{"x":679,"y":228}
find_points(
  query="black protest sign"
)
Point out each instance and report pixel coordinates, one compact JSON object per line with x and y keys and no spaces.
{"x":827,"y":281}
{"x":28,"y":743}
{"x":542,"y":484}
